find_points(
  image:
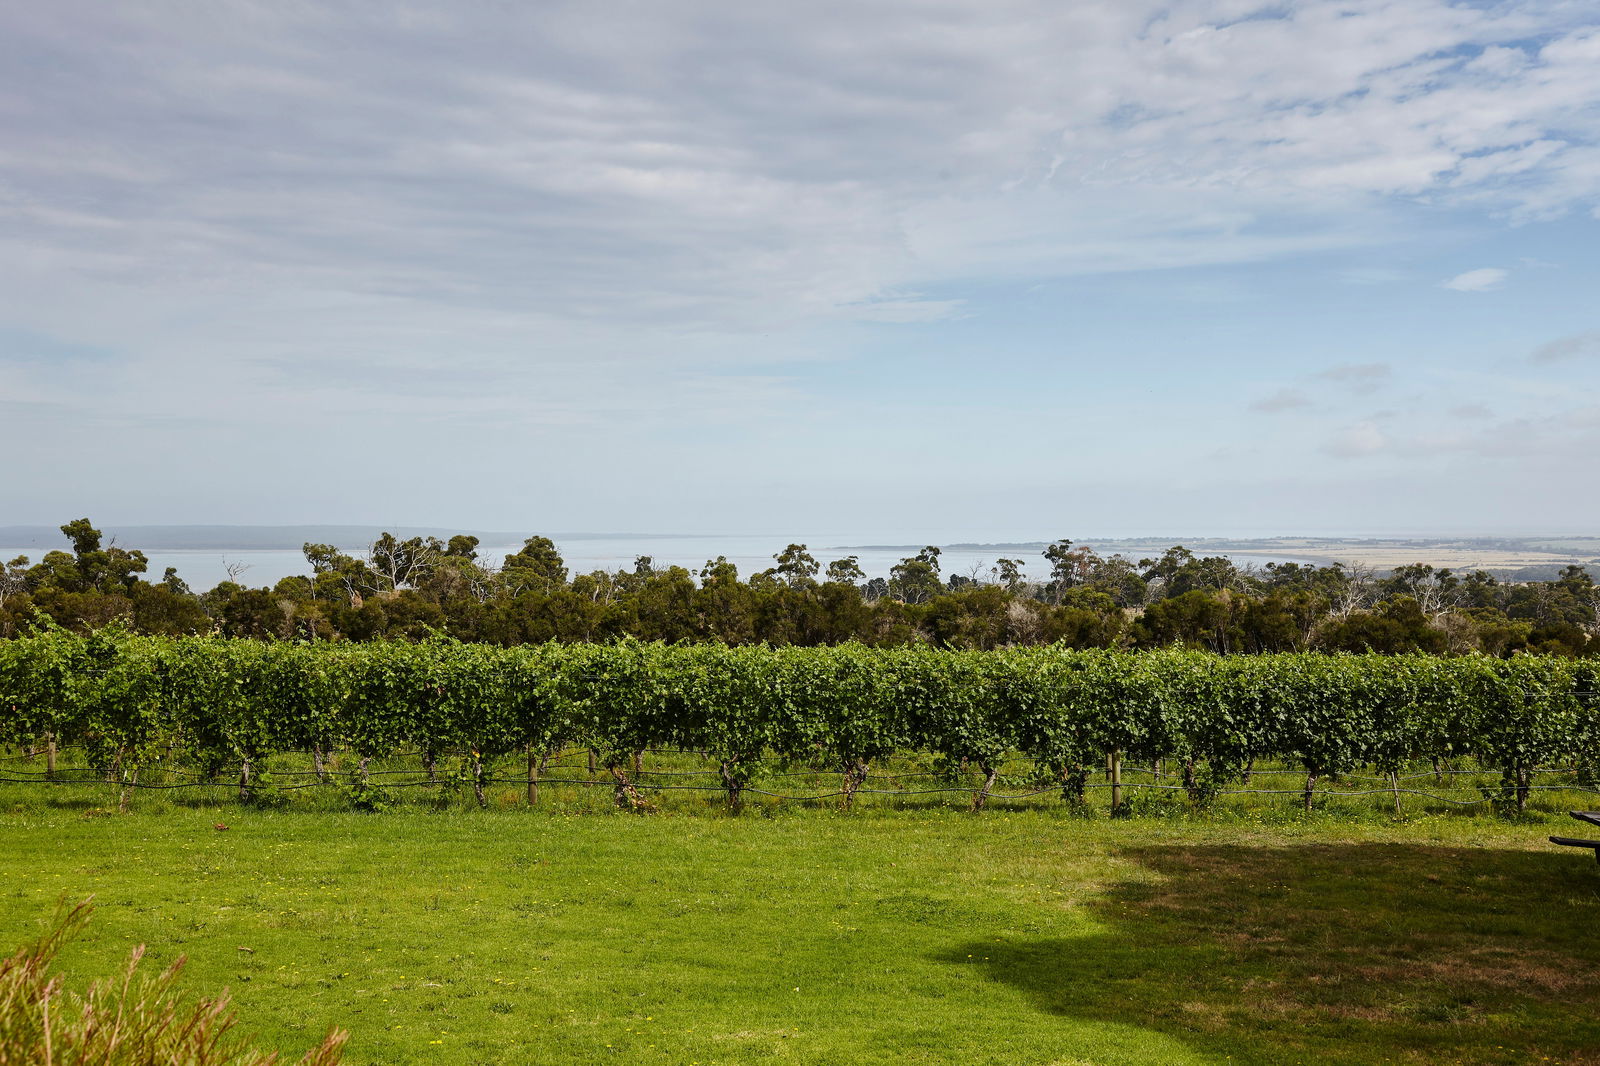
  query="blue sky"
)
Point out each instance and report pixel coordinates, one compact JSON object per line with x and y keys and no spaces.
{"x":995,"y":270}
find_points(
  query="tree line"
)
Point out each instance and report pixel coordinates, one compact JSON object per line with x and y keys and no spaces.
{"x":409,"y":589}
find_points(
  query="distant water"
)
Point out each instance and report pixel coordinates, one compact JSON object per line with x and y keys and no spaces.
{"x":203,"y":569}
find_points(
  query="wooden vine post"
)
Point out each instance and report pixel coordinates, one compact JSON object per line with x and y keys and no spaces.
{"x":1116,"y":783}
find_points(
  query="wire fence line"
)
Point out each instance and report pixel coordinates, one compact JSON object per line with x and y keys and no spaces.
{"x":342,"y":771}
{"x":1126,"y":769}
{"x":264,"y":784}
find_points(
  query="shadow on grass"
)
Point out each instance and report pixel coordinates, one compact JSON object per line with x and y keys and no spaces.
{"x":1338,"y":953}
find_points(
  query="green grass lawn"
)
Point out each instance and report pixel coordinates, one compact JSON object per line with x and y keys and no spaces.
{"x":819,"y":937}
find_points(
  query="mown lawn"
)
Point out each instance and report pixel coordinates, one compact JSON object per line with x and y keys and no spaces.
{"x":818,"y":937}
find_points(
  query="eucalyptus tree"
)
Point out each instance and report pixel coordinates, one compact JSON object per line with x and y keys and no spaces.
{"x":846,"y":571}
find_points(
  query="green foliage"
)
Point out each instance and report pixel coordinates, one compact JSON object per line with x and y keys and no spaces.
{"x":132,"y":700}
{"x":41,"y":681}
{"x":365,"y":796}
{"x":844,"y":710}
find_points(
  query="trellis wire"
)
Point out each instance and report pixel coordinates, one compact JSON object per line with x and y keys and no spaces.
{"x":263,"y":782}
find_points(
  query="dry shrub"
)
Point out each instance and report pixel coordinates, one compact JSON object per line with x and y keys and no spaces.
{"x":134,"y":1019}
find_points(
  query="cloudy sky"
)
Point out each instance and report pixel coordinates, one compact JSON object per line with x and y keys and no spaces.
{"x":998,"y":269}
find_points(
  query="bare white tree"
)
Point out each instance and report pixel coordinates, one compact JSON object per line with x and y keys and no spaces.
{"x":1357,"y":591}
{"x":1435,"y":591}
{"x":12,"y":578}
{"x":402,"y":563}
{"x":483,"y":580}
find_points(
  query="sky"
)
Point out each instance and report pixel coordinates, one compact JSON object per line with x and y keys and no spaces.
{"x":988,"y":270}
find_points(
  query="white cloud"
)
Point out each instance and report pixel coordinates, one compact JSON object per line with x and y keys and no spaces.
{"x":1373,"y":275}
{"x":592,"y":160}
{"x":1282,"y":400}
{"x":1576,"y":346}
{"x":1546,"y":437}
{"x":1362,"y":439}
{"x":903,"y":309}
{"x":318,"y":225}
{"x":1359,"y":377}
{"x":1481,"y":280}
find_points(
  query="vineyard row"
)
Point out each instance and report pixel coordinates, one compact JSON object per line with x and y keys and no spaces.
{"x":230,"y":706}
